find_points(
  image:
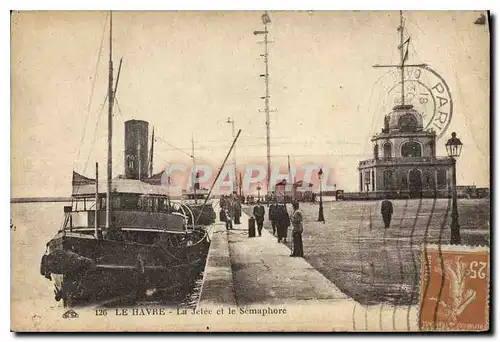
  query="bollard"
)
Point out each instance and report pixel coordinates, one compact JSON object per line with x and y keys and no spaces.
{"x":251,"y":227}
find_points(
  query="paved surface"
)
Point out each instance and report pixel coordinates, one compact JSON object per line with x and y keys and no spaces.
{"x":217,"y":285}
{"x":264,"y":272}
{"x":258,"y":272}
{"x":374,"y":265}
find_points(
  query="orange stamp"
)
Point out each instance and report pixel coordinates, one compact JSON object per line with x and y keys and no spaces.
{"x":454,"y":288}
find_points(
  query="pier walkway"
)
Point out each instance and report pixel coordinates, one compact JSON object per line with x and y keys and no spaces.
{"x":264,"y":272}
{"x":259,"y":270}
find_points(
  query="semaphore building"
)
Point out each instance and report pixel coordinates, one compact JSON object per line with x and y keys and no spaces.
{"x":404,"y":162}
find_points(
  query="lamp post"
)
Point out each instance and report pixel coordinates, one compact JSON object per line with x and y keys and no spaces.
{"x":453,"y":149}
{"x":321,"y":217}
{"x":258,"y":191}
{"x":284,"y":192}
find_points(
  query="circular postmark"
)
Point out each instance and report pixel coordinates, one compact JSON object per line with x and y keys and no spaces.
{"x":429,"y":94}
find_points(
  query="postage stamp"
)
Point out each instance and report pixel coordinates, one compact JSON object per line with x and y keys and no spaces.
{"x":454,"y":290}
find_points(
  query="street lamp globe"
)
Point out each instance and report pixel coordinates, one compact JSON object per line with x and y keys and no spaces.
{"x":454,"y":146}
{"x":320,"y":174}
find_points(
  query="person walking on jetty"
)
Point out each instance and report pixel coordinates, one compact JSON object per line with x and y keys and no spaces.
{"x":259,"y":212}
{"x":298,"y":227}
{"x":273,"y":215}
{"x":282,"y":223}
{"x":386,"y":210}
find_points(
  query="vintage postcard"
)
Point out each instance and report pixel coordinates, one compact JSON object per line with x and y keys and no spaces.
{"x":250,"y":171}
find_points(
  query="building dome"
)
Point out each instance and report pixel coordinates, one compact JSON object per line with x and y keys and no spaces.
{"x":404,"y":118}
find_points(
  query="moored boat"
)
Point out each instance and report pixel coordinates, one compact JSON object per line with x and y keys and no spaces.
{"x":127,"y":239}
{"x":150,"y":244}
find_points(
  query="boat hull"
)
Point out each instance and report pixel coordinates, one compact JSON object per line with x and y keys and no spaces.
{"x":88,"y":271}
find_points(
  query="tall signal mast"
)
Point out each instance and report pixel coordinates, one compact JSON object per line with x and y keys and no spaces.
{"x":403,"y":53}
{"x":266,"y":20}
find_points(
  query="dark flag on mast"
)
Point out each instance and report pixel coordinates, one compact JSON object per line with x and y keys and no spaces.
{"x":266,"y":19}
{"x":406,"y":46}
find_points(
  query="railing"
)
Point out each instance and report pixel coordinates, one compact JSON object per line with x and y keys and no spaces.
{"x":406,"y":194}
{"x":405,"y":160}
{"x":128,"y":218}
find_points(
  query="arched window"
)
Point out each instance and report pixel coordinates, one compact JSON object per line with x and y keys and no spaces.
{"x":441,"y":179}
{"x":429,"y":180}
{"x":415,"y":179}
{"x":411,"y":149}
{"x":408,"y":123}
{"x":375,"y":151}
{"x":367,"y":180}
{"x":387,"y":150}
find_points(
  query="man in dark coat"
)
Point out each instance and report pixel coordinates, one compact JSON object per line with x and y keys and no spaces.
{"x":282,"y":223}
{"x":273,"y":216}
{"x":386,"y":211}
{"x":222,"y":214}
{"x":237,"y":211}
{"x":298,"y":227}
{"x":259,"y":212}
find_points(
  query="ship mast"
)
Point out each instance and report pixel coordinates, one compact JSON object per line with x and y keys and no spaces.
{"x":151,"y":154}
{"x":194,"y":174}
{"x":110,"y":124}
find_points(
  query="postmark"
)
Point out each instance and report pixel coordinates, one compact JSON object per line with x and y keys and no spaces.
{"x":454,"y":288}
{"x":428,"y":93}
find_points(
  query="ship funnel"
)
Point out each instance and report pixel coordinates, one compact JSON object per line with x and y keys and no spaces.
{"x":136,"y":149}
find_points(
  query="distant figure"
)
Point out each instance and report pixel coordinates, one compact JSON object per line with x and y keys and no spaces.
{"x":259,"y":212}
{"x":298,"y":228}
{"x":273,"y":216}
{"x":386,"y":211}
{"x":237,"y":211}
{"x":282,"y":223}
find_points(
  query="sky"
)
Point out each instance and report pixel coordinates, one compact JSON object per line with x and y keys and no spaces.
{"x":187,"y":72}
